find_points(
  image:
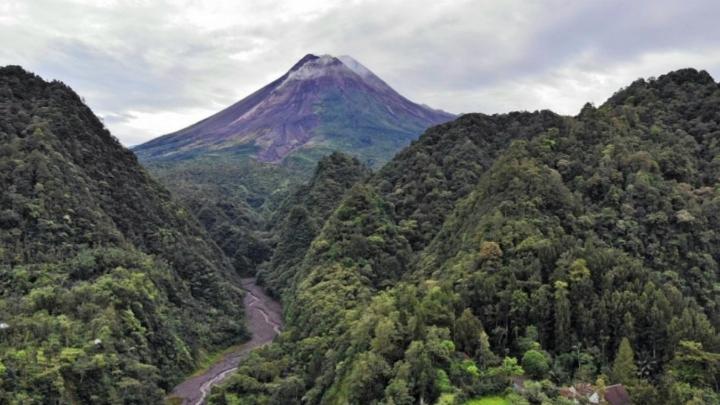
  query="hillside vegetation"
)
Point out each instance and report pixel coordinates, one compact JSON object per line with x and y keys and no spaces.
{"x":232,"y":200}
{"x":562,"y":249}
{"x":300,"y":217}
{"x":109,"y":290}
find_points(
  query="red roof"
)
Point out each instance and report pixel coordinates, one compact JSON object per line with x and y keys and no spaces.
{"x":617,"y":395}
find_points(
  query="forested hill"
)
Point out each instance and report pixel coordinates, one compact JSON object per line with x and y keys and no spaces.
{"x":109,"y":291}
{"x":301,"y":216}
{"x":561,"y":249}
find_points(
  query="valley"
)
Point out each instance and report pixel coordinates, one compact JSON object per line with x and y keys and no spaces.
{"x":525,"y":258}
{"x":359,"y":202}
{"x":235,"y":168}
{"x":264,"y":322}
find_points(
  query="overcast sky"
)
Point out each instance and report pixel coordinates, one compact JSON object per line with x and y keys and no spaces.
{"x":152,"y":67}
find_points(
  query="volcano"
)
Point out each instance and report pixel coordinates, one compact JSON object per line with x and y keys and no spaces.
{"x":322,"y":104}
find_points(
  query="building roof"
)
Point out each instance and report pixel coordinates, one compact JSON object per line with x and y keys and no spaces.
{"x":584,"y":389}
{"x":569,"y":392}
{"x":617,"y":395}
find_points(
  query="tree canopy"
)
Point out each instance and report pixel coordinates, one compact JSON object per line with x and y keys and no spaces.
{"x":596,"y":233}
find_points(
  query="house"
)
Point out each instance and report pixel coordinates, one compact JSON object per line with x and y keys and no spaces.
{"x":570,"y":393}
{"x":584,"y":389}
{"x":617,"y":395}
{"x":581,"y":392}
{"x":587,"y":393}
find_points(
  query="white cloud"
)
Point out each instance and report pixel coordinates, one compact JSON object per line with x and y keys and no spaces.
{"x":155,"y":66}
{"x":566,"y":89}
{"x":137,"y":123}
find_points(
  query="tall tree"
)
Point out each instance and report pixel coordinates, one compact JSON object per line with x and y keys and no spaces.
{"x":468,"y":331}
{"x":563,"y":338}
{"x":624,"y":370}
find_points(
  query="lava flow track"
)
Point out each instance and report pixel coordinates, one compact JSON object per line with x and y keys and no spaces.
{"x":264,"y":321}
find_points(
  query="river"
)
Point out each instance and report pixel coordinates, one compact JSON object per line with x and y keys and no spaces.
{"x":264,"y":321}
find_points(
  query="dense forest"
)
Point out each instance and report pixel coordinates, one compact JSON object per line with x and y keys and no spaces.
{"x":110,"y":292}
{"x":522,"y":248}
{"x":233,"y":200}
{"x":301,"y":216}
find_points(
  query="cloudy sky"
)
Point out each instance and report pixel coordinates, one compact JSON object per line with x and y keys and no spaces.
{"x":150,"y":67}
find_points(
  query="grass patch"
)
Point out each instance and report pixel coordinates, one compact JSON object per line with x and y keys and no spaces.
{"x":446,"y":399}
{"x":173,"y":401}
{"x":496,"y":400}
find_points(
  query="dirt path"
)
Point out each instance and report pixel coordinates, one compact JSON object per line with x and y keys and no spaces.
{"x":264,"y":321}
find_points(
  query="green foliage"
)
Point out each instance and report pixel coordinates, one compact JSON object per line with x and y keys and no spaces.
{"x":232,"y":197}
{"x":579,"y":270}
{"x":301,"y":216}
{"x":508,"y":368}
{"x":533,"y":235}
{"x":518,"y":232}
{"x":368,"y":378}
{"x":468,"y":333}
{"x":536,"y":364}
{"x":695,"y":366}
{"x":624,"y":370}
{"x":471,"y":368}
{"x":109,"y":289}
{"x":442,"y":382}
{"x":493,"y":400}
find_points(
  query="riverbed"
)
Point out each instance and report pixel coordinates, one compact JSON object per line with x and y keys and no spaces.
{"x":264,"y":321}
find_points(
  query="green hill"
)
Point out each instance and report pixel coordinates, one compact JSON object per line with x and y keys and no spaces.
{"x":109,"y":290}
{"x":299,"y":219}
